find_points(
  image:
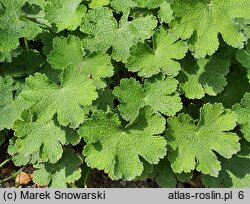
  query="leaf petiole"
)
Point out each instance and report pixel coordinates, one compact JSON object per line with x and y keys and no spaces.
{"x":5,"y":162}
{"x":12,"y":176}
{"x":26,"y":43}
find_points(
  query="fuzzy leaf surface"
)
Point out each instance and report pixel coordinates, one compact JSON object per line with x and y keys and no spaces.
{"x":149,"y":61}
{"x":96,"y":66}
{"x":243,"y":56}
{"x":16,"y":22}
{"x":61,"y":55}
{"x":243,"y":112}
{"x":125,"y":6}
{"x":58,"y":175}
{"x":46,"y":138}
{"x":235,"y":172}
{"x":204,"y":20}
{"x":238,"y":85}
{"x":159,"y":93}
{"x":65,"y":14}
{"x":104,"y":32}
{"x":193,"y":143}
{"x":11,"y":107}
{"x":207,"y":76}
{"x":65,"y":99}
{"x":165,"y":13}
{"x":117,"y":149}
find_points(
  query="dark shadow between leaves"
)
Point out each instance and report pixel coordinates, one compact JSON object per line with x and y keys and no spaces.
{"x":188,"y":66}
{"x":31,"y":9}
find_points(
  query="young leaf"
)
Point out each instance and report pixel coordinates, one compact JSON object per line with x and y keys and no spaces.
{"x":193,"y":143}
{"x":150,"y":61}
{"x":159,"y":93}
{"x":65,"y":99}
{"x":117,"y":149}
{"x":204,"y":20}
{"x":58,"y":175}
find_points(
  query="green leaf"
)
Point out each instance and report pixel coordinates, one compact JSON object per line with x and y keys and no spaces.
{"x":166,"y":178}
{"x":95,"y":66}
{"x":165,"y":13}
{"x":16,"y":22}
{"x":193,"y":143}
{"x":27,"y":63}
{"x":103,"y":32}
{"x":207,"y":76}
{"x":7,"y":56}
{"x":65,"y":14}
{"x":237,"y":86}
{"x":105,"y":100}
{"x":202,"y":21}
{"x":61,"y":55}
{"x":243,"y":56}
{"x":95,"y":3}
{"x":243,"y":112}
{"x":11,"y":106}
{"x":117,"y":149}
{"x":235,"y":172}
{"x":47,"y":40}
{"x":244,"y":24}
{"x":125,"y":6}
{"x":103,"y":76}
{"x":58,"y":175}
{"x":65,"y":99}
{"x":53,"y":74}
{"x":159,"y":93}
{"x":46,"y":138}
{"x":149,"y":61}
{"x":8,"y":42}
{"x":22,"y":159}
{"x":148,"y":170}
{"x":151,"y":4}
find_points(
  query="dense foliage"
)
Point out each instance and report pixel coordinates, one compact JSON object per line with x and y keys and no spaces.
{"x":138,"y":88}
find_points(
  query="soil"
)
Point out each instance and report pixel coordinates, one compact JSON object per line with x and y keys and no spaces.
{"x":100,"y":180}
